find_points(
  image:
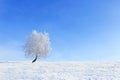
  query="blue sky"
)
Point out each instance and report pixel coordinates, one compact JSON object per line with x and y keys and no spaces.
{"x":79,"y":30}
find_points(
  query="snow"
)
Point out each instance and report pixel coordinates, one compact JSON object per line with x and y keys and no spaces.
{"x":60,"y":71}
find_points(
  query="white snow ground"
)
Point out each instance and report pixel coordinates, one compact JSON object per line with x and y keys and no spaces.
{"x":60,"y":71}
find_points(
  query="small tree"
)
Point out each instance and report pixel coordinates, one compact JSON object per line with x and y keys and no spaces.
{"x":37,"y":45}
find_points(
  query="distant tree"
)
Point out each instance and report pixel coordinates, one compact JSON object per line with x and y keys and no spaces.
{"x":37,"y":45}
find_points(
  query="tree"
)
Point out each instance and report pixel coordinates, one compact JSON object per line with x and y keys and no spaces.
{"x":37,"y":45}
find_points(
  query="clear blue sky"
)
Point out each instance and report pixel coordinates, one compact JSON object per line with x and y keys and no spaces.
{"x":79,"y":30}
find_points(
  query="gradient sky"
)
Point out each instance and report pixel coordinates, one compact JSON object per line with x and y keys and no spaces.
{"x":79,"y":30}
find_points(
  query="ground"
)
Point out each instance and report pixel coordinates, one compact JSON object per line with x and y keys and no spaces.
{"x":59,"y":70}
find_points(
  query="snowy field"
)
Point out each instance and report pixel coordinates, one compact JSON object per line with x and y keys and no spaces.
{"x":60,"y":71}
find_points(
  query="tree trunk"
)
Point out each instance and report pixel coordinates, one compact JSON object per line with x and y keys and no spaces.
{"x":34,"y":59}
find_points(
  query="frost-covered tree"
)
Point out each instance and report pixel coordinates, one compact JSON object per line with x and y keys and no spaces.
{"x":37,"y":45}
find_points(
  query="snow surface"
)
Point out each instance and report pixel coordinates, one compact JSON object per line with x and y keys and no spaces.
{"x":60,"y":71}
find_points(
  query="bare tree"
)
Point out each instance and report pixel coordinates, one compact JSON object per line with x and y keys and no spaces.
{"x":37,"y":45}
